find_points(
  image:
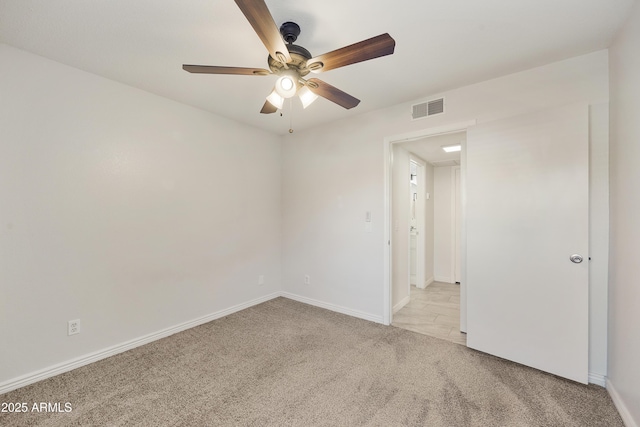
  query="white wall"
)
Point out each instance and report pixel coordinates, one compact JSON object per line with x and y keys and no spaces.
{"x":400,"y":220}
{"x":429,"y":224}
{"x":333,"y":174}
{"x":624,"y":269}
{"x":128,"y":211}
{"x":443,"y":224}
{"x":330,"y":184}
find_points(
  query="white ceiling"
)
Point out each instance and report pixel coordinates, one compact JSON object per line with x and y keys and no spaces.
{"x":440,"y":45}
{"x":430,"y":149}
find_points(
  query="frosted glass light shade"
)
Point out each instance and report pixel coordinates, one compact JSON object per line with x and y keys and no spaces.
{"x":287,"y":84}
{"x":276,"y":100}
{"x":306,"y":96}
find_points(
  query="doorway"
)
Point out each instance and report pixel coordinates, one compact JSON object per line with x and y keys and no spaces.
{"x":525,"y":205}
{"x":426,"y":236}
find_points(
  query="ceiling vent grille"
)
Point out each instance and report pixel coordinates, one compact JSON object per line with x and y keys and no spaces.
{"x":426,"y":109}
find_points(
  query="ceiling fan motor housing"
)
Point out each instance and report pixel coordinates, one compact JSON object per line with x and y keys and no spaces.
{"x":290,"y":32}
{"x":299,"y":58}
{"x":299,"y":55}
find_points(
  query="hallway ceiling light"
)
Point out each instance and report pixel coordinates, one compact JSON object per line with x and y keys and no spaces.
{"x":452,"y":148}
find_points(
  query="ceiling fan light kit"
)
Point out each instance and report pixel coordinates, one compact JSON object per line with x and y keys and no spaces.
{"x":306,"y":96}
{"x":292,"y":63}
{"x":275,"y":99}
{"x":287,"y":84}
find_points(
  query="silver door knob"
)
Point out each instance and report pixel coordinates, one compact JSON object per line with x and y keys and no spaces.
{"x":576,"y":258}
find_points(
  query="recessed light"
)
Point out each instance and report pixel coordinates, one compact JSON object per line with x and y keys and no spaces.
{"x":452,"y":148}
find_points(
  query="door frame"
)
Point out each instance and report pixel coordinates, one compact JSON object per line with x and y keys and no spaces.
{"x":387,"y":145}
{"x":456,"y":229}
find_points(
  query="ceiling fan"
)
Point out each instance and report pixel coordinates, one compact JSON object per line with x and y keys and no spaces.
{"x":292,"y":62}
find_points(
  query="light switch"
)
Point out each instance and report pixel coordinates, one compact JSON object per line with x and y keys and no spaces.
{"x":368,"y":227}
{"x":368,"y":216}
{"x":427,"y":196}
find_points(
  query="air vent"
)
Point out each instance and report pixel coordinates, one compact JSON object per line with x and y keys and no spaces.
{"x":427,"y":109}
{"x":419,"y":111}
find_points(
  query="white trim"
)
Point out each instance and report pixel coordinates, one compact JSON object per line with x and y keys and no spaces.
{"x":463,"y":237}
{"x":620,"y":406}
{"x":429,"y":281}
{"x":401,"y":304}
{"x":452,"y":254}
{"x":455,"y":192}
{"x":443,"y":279}
{"x":78,"y":362}
{"x":333,"y":307}
{"x":437,"y":130}
{"x":597,"y":379}
{"x":386,"y":286}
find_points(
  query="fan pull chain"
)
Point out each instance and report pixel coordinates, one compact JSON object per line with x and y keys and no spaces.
{"x":290,"y":116}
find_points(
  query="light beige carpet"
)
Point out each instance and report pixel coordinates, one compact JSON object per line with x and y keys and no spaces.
{"x":285,"y":363}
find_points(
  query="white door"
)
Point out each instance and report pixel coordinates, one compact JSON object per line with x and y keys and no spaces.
{"x":527,"y":214}
{"x":413,"y":258}
{"x":417,"y":222}
{"x":413,"y":221}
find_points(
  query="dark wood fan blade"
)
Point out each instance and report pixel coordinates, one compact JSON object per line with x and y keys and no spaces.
{"x":331,"y":93}
{"x":268,"y":108}
{"x":260,"y":18}
{"x":374,"y":47}
{"x":210,"y":69}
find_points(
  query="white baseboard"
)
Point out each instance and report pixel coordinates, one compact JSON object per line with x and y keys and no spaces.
{"x":86,"y":359}
{"x":69,"y":365}
{"x":401,"y":304}
{"x":333,"y":307}
{"x":426,"y":283}
{"x":442,"y":279}
{"x":597,"y":379}
{"x":620,"y":406}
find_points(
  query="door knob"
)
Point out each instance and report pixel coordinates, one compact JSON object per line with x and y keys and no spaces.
{"x":576,"y":258}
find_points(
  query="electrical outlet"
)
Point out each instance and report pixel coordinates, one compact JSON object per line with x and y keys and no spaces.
{"x":307,"y":279}
{"x":260,"y":280}
{"x":73,"y":327}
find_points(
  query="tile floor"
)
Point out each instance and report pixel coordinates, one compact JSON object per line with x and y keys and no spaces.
{"x":433,"y":311}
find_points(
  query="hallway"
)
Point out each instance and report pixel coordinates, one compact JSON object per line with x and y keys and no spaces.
{"x":433,"y":311}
